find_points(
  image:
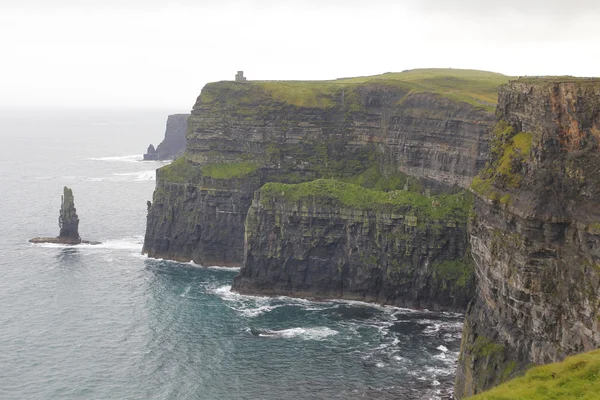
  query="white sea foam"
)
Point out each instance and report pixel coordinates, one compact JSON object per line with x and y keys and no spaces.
{"x":442,"y":348}
{"x":255,"y":312}
{"x":136,"y":176}
{"x":389,"y":309}
{"x":318,"y":333}
{"x":218,"y":267}
{"x":130,"y":158}
{"x":113,"y":244}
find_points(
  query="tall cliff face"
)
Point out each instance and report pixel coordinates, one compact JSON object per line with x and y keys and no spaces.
{"x":173,"y":145}
{"x":328,"y":239}
{"x":536,"y":236}
{"x":244,"y":134}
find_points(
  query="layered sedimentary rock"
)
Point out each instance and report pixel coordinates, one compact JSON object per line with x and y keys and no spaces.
{"x":536,"y":234}
{"x":174,"y":142}
{"x":328,"y":239}
{"x":68,"y":222}
{"x":244,"y":134}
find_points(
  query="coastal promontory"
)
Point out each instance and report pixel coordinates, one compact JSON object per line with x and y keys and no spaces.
{"x":174,"y":141}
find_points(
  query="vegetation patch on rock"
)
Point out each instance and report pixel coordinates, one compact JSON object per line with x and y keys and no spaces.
{"x":577,"y":377}
{"x":509,"y":150}
{"x":228,"y":170}
{"x":474,"y":87}
{"x":332,"y":192}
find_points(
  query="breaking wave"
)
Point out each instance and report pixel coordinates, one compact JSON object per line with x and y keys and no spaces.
{"x":317,"y":333}
{"x":130,"y":158}
{"x":111,"y":244}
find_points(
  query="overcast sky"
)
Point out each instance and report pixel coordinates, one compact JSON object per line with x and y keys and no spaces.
{"x":159,"y":53}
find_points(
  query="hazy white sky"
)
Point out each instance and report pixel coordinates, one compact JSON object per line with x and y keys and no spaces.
{"x":159,"y":54}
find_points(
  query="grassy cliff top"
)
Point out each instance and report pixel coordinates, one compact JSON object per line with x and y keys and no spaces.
{"x":577,"y":377}
{"x":557,"y":79}
{"x":336,"y":193}
{"x":478,"y":88}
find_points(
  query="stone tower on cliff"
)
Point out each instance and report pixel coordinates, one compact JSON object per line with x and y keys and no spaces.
{"x":239,"y":77}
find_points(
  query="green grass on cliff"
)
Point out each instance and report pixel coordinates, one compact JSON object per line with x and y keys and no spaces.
{"x":478,"y":88}
{"x":577,"y":377}
{"x":461,"y":84}
{"x":509,"y":150}
{"x":179,"y":171}
{"x":228,"y":170}
{"x":182,"y":171}
{"x":374,"y":178}
{"x":336,"y":193}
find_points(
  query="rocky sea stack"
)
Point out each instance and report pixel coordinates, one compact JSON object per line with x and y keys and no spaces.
{"x":68,"y":222}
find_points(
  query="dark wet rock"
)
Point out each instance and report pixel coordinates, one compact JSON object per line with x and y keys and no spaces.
{"x":393,"y":253}
{"x":198,"y":214}
{"x":68,"y":222}
{"x":535,"y":235}
{"x":151,"y":153}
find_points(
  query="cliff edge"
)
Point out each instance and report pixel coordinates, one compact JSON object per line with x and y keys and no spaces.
{"x":416,"y":129}
{"x":535,"y":237}
{"x":329,"y":239}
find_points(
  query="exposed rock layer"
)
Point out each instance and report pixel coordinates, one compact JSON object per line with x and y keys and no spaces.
{"x":536,"y":235}
{"x":390,"y":254}
{"x":338,"y":134}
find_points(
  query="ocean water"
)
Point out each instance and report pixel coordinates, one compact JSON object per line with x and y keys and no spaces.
{"x":105,"y":322}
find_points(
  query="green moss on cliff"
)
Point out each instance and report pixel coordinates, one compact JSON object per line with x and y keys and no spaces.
{"x":484,"y":347}
{"x":477,"y":88}
{"x":458,"y":272}
{"x":471,"y":86}
{"x":336,"y":193}
{"x":373,"y":178}
{"x":179,"y":171}
{"x":228,"y":170}
{"x":577,"y":377}
{"x":508,"y":153}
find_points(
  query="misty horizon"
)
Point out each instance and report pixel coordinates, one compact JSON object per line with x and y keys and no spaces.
{"x":147,"y":55}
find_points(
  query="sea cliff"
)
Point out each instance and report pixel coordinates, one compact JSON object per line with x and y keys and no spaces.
{"x":416,"y":130}
{"x":173,"y":144}
{"x":328,"y":239}
{"x":535,"y":235}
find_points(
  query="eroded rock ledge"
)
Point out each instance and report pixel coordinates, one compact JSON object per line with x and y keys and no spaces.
{"x":535,"y":237}
{"x":327,"y":239}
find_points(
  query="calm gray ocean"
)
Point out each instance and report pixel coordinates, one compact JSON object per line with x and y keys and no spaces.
{"x":104,"y":322}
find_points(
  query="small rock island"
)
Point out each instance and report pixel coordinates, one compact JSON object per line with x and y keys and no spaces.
{"x":68,"y":222}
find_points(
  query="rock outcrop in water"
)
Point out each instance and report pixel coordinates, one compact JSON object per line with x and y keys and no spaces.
{"x":174,"y":142}
{"x":535,"y":237}
{"x":68,"y":222}
{"x":399,"y":248}
{"x":151,"y":153}
{"x":370,"y":131}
